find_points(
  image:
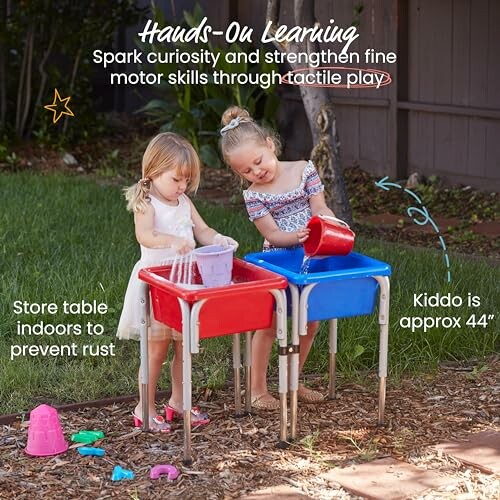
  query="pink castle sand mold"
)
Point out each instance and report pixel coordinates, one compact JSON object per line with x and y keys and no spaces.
{"x":45,"y":435}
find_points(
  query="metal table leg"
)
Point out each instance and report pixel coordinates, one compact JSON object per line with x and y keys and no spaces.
{"x":248,"y":372}
{"x":186,"y":379}
{"x":332,"y":379}
{"x":236,"y":372}
{"x":302,"y":315}
{"x":281,"y":335}
{"x":294,"y":360}
{"x":383,"y":319}
{"x":144,"y":294}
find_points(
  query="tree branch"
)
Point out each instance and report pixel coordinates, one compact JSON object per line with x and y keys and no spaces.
{"x":43,"y":81}
{"x":273,"y":12}
{"x":72,"y":83}
{"x":3,"y":62}
{"x":304,"y":12}
{"x":273,"y":15}
{"x":29,"y":68}
{"x":20,"y":86}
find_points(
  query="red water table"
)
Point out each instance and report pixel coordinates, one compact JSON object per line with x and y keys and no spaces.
{"x":247,"y":304}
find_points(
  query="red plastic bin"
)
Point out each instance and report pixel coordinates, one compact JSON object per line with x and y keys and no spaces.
{"x":244,"y":305}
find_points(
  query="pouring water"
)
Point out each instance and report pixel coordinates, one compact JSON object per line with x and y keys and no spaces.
{"x":181,"y":272}
{"x":304,"y":269}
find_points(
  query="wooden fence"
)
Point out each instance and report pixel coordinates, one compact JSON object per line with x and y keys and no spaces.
{"x":441,"y":114}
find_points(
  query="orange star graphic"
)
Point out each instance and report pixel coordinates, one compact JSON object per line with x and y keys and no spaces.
{"x":53,"y":107}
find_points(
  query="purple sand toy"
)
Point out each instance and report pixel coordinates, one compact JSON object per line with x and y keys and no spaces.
{"x":92,"y":452}
{"x":215,"y":264}
{"x":120,"y":473}
{"x":45,"y":436}
{"x":161,"y":469}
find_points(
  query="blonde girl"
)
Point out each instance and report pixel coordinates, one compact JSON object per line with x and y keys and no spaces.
{"x":282,"y":196}
{"x":166,"y":224}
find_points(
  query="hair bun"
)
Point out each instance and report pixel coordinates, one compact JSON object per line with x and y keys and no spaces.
{"x":234,"y":112}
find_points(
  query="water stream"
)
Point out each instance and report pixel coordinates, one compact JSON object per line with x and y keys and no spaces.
{"x":181,"y":272}
{"x":305,"y":265}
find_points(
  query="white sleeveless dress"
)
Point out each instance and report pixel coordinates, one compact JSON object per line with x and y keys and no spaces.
{"x":169,"y":220}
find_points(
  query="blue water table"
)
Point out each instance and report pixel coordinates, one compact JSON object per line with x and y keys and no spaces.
{"x":246,"y":304}
{"x":333,"y":287}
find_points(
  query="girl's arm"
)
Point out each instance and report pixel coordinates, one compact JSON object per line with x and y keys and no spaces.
{"x":202,"y":232}
{"x":149,"y":237}
{"x":318,"y":205}
{"x":275,"y":236}
{"x":205,"y":235}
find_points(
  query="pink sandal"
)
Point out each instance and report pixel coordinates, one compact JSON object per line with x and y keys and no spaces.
{"x":156,"y":424}
{"x":197,"y":417}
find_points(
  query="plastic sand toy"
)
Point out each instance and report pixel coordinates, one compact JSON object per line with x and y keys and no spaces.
{"x":93,"y":452}
{"x":215,"y":264}
{"x":87,"y":437}
{"x":45,"y":435}
{"x":120,"y":473}
{"x":164,"y":470}
{"x":331,"y":288}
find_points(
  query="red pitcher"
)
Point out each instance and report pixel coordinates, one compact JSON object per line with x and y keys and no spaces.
{"x":328,"y":238}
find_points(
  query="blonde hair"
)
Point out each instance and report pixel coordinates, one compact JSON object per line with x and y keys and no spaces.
{"x":167,"y":151}
{"x":245,"y":129}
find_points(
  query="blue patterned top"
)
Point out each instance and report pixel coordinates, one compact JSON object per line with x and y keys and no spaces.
{"x":290,"y":210}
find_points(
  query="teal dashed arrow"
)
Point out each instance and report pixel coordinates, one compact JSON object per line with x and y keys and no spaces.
{"x":382,"y":183}
{"x":419,"y":211}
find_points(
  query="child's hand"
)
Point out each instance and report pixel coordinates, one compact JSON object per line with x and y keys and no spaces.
{"x":182,"y":245}
{"x":225,"y":241}
{"x":302,"y":234}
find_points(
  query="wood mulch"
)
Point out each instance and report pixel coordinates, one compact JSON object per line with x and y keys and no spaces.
{"x":234,"y":457}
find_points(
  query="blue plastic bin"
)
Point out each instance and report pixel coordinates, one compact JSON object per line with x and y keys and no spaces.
{"x":344,"y":284}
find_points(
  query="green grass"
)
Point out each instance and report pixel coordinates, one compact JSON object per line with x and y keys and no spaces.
{"x":71,"y":239}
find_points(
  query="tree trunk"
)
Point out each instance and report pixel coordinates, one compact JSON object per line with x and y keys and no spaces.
{"x":76,"y":64}
{"x":320,"y":115}
{"x":3,"y":63}
{"x":43,"y":80}
{"x":29,"y":68}
{"x":326,"y":151}
{"x":20,"y":87}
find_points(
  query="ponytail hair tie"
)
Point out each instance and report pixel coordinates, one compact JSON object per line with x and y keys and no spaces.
{"x":145,"y":181}
{"x":232,"y":124}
